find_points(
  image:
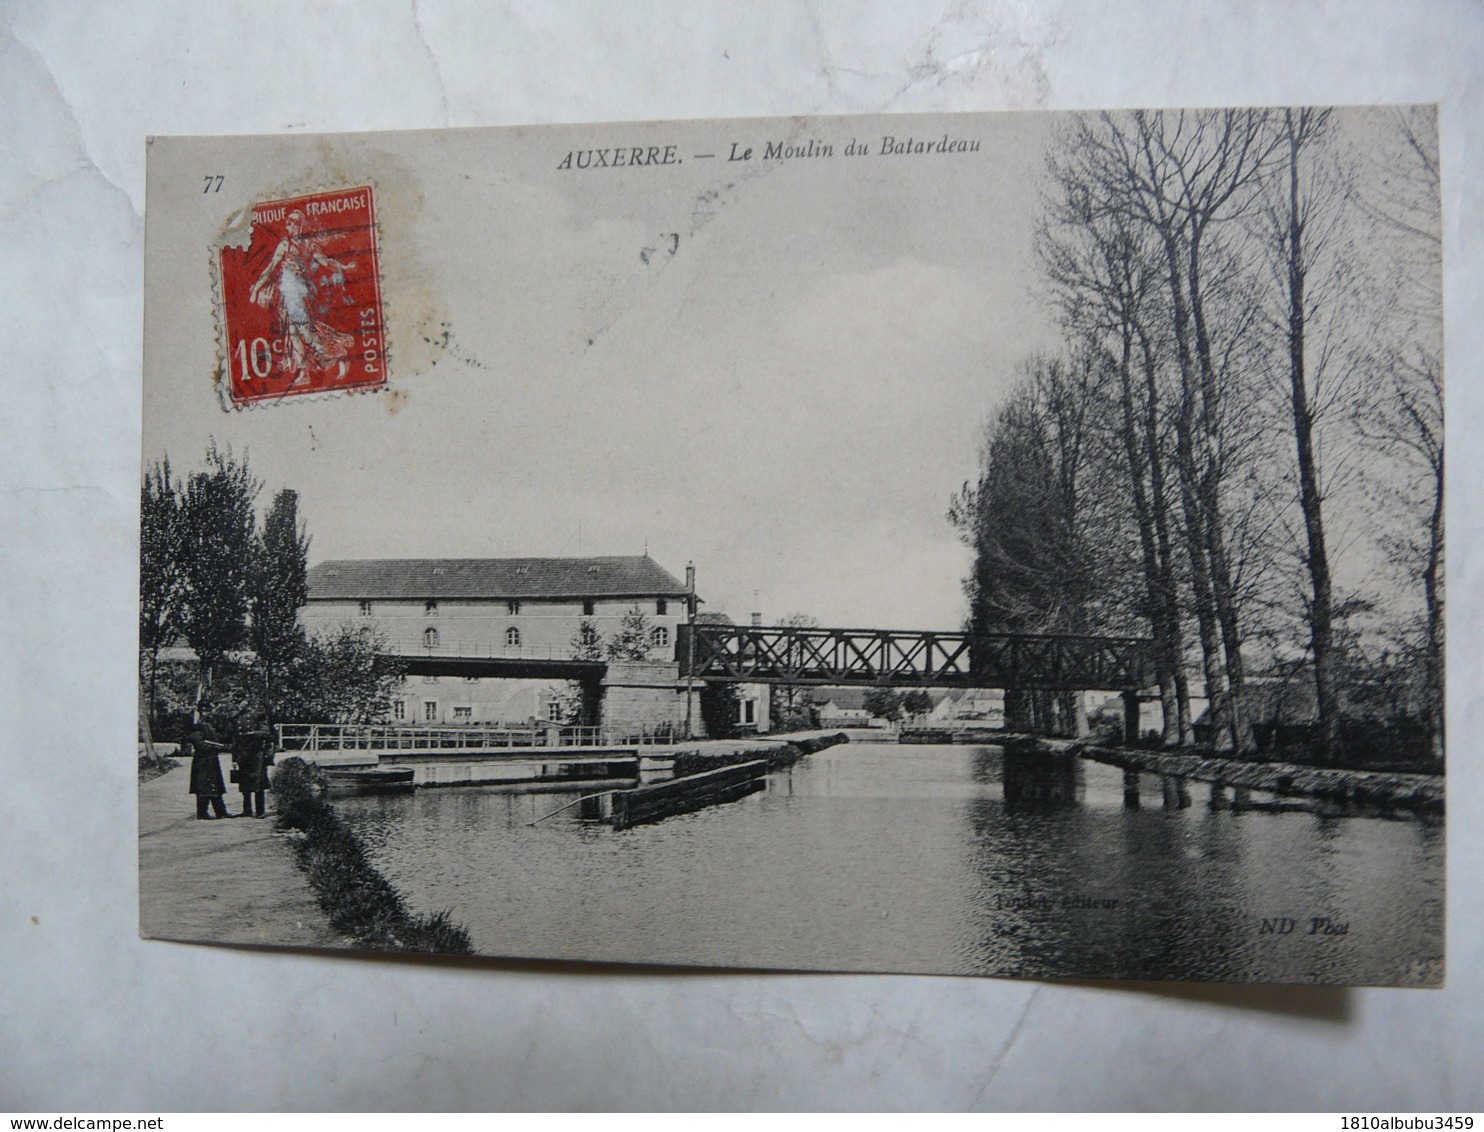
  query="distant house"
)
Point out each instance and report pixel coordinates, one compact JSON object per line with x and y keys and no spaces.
{"x":983,"y":706}
{"x":845,"y":707}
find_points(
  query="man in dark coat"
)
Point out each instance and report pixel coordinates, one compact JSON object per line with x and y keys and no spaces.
{"x":253,"y":754}
{"x":206,"y":770}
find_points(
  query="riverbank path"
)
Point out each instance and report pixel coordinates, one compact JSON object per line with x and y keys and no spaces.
{"x":232,"y":881}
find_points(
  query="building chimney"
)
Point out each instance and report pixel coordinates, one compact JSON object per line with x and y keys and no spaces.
{"x":690,"y":577}
{"x":757,"y":620}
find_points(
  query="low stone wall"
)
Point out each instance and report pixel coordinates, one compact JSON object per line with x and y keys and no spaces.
{"x":779,"y":754}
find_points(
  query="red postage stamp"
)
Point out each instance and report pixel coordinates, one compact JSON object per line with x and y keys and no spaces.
{"x":301,"y":303}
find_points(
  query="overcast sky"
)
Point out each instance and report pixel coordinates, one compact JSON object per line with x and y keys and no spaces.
{"x":788,"y":397}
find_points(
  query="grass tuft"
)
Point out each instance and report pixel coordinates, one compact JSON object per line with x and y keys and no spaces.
{"x":359,"y":901}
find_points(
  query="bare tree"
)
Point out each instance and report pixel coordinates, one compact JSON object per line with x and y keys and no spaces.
{"x":1187,"y":178}
{"x":1304,"y":212}
{"x":1404,"y":416}
{"x":1104,"y":277}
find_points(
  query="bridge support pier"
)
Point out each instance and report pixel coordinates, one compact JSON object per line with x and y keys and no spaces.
{"x":1176,"y":793}
{"x":1130,"y":789}
{"x":1131,"y":718}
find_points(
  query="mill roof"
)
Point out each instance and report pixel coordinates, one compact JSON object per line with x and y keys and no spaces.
{"x":360,"y":579}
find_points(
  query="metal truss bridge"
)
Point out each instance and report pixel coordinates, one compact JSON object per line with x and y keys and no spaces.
{"x":910,"y":658}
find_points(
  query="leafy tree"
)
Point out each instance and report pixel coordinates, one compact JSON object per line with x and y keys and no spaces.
{"x":1047,"y":552}
{"x":161,"y":578}
{"x":216,"y":552}
{"x":576,"y":701}
{"x":885,"y":703}
{"x":278,"y":588}
{"x":799,"y":711}
{"x":587,"y":642}
{"x":343,"y":676}
{"x":720,"y":709}
{"x":917,"y":703}
{"x":632,"y":641}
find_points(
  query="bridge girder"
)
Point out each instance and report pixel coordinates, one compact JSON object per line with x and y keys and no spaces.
{"x":910,"y":658}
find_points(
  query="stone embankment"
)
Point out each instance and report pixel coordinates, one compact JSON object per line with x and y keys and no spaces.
{"x":1422,"y":793}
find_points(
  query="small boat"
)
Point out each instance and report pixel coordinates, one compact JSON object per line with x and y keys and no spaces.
{"x":369,"y":780}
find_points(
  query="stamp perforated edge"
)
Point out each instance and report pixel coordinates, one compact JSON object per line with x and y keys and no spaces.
{"x":237,"y":233}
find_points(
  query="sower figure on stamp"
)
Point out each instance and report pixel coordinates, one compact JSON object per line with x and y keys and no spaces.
{"x":206,"y":771}
{"x":294,"y":285}
{"x":253,"y":755}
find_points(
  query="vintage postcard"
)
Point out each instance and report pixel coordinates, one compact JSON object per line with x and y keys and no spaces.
{"x":994,"y":544}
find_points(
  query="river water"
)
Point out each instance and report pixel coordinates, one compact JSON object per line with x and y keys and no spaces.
{"x":946,"y":859}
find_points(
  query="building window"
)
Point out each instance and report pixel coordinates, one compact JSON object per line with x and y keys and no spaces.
{"x":430,"y":711}
{"x":554,"y":711}
{"x":471,"y":679}
{"x":463,"y":713}
{"x":430,"y":679}
{"x":512,"y":638}
{"x":399,"y":709}
{"x":587,"y":606}
{"x":749,"y":711}
{"x":512,"y":607}
{"x":430,"y":638}
{"x":661,"y":607}
{"x":430,"y":607}
{"x":660,"y":637}
{"x":365,"y":609}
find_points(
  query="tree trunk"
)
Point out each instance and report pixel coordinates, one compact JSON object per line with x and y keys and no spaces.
{"x":1432,"y":584}
{"x":1177,"y":730}
{"x":1321,"y":609}
{"x":145,"y":732}
{"x":1185,"y":463}
{"x":149,"y":702}
{"x":1223,"y":592}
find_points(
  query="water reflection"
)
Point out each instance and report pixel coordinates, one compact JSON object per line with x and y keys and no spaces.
{"x":943,"y":859}
{"x":1039,"y":783}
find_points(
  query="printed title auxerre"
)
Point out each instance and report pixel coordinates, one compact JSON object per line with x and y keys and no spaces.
{"x":626,"y":157}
